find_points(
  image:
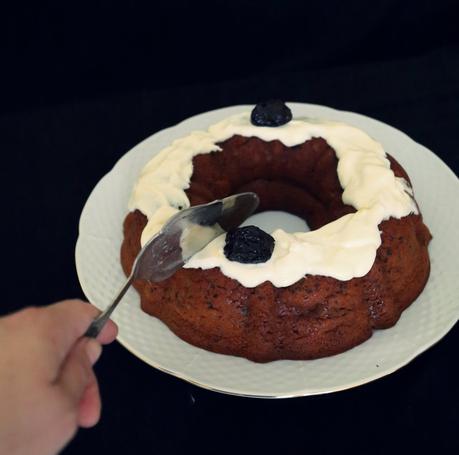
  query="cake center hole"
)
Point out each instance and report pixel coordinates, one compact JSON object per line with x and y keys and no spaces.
{"x":271,"y":220}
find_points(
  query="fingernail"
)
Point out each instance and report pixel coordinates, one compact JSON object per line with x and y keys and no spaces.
{"x":93,"y":351}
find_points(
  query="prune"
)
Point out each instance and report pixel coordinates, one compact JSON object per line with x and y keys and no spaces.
{"x":249,"y":245}
{"x":271,"y":113}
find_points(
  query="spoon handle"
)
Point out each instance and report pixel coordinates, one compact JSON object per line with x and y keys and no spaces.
{"x":98,"y":323}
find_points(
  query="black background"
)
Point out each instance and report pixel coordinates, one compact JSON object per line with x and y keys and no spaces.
{"x":81,"y":85}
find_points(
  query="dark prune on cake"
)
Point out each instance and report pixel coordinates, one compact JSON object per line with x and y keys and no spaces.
{"x":249,"y":245}
{"x":271,"y":113}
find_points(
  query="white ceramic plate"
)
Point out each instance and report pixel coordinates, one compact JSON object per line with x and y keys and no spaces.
{"x":424,"y":323}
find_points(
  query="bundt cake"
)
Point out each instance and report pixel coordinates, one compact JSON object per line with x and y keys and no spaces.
{"x":317,"y":293}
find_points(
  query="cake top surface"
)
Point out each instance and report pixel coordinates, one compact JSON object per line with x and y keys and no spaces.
{"x":343,"y":249}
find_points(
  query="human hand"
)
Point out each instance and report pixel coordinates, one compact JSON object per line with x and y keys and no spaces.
{"x":47,"y":385}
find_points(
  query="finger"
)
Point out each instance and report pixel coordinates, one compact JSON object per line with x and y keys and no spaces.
{"x":76,"y":374}
{"x":65,"y":322}
{"x":90,"y":405}
{"x":83,"y":313}
{"x":108,"y":333}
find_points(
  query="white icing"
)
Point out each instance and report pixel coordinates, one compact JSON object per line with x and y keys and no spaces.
{"x":343,"y":249}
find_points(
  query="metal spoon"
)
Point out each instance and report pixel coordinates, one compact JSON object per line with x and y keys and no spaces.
{"x":186,"y":233}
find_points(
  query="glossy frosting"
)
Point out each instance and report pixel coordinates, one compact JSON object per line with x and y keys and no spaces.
{"x":343,"y":249}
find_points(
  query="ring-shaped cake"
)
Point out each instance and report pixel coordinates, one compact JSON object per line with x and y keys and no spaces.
{"x":321,"y":292}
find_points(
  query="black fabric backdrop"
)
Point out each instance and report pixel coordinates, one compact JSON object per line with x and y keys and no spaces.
{"x":81,"y":87}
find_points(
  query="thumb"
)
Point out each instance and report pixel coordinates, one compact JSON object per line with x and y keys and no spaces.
{"x":76,"y":373}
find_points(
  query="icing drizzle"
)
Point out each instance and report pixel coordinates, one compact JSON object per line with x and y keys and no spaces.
{"x":343,"y":249}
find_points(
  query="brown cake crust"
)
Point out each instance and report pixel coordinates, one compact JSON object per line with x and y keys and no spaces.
{"x":315,"y":317}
